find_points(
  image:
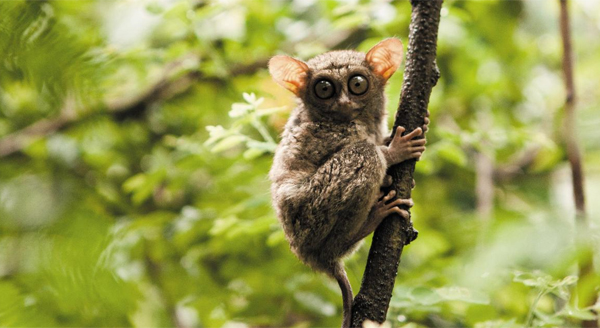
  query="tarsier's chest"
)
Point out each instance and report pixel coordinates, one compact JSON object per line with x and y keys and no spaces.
{"x":317,"y":142}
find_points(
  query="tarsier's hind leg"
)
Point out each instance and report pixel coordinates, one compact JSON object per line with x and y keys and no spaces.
{"x":339,"y":197}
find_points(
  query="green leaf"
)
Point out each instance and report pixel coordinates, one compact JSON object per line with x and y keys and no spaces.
{"x":451,"y":153}
{"x":498,"y":324}
{"x":463,"y":294}
{"x":270,"y":111}
{"x":580,"y":314}
{"x":425,"y":296}
{"x":240,"y":109}
{"x":223,"y":225}
{"x":216,"y":133}
{"x":566,"y":281}
{"x":228,"y":143}
{"x":135,"y":182}
{"x":260,"y":145}
{"x":552,"y":320}
{"x":253,"y":153}
{"x":547,"y":157}
{"x":276,"y":238}
{"x":350,"y":21}
{"x":315,"y":303}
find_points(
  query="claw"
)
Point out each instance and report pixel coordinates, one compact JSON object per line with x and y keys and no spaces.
{"x":389,"y":196}
{"x":387,"y":181}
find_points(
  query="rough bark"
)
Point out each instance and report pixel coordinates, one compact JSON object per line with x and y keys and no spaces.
{"x":586,"y":267}
{"x":420,"y":75}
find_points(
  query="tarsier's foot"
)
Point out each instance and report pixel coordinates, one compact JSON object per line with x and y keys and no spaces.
{"x":380,"y":211}
{"x":382,"y":208}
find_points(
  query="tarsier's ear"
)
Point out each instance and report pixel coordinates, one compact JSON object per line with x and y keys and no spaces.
{"x":385,"y":57}
{"x":288,"y":72}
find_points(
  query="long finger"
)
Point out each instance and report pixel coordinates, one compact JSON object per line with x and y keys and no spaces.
{"x":403,"y":213}
{"x":406,"y":202}
{"x":399,"y":131}
{"x":418,"y":142}
{"x":416,"y":156}
{"x":417,"y":149}
{"x":414,"y":133}
{"x":389,"y":196}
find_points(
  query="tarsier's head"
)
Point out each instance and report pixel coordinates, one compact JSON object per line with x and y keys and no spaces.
{"x":341,"y":85}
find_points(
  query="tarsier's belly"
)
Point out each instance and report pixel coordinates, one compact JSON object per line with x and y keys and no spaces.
{"x":325,"y":194}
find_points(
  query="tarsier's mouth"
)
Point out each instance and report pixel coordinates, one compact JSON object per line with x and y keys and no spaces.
{"x":349,"y":114}
{"x":355,"y":112}
{"x":350,"y":109}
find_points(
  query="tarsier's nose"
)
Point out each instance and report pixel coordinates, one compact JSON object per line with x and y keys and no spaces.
{"x":345,"y":102}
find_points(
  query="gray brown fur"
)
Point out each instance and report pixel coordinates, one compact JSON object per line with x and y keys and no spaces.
{"x":328,"y":169}
{"x":331,"y":161}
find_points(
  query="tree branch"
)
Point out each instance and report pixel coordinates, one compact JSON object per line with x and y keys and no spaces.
{"x":484,"y":186}
{"x":586,"y":266}
{"x":164,"y":88}
{"x":420,"y":75}
{"x":155,"y":273}
{"x":573,"y":153}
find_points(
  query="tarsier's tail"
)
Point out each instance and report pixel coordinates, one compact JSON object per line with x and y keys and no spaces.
{"x":339,"y":273}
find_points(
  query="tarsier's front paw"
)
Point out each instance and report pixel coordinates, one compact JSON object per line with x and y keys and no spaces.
{"x":382,"y":208}
{"x":403,"y":148}
{"x":424,"y":128}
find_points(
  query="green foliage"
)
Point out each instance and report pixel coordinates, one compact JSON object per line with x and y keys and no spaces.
{"x":545,"y":285}
{"x":246,"y":115}
{"x":136,"y":139}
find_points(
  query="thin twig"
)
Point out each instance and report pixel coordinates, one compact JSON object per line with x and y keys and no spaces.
{"x":164,"y":88}
{"x":573,"y":152}
{"x":586,"y":266}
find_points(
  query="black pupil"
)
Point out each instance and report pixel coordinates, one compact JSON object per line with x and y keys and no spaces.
{"x":324,"y":89}
{"x":358,"y":85}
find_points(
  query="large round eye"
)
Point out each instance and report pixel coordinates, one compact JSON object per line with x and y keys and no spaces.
{"x":358,"y":84}
{"x":324,"y":89}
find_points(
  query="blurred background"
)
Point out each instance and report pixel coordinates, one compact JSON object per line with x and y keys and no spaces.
{"x":136,"y":138}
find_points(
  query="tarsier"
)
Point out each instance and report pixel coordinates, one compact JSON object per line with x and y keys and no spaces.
{"x":331,"y":162}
